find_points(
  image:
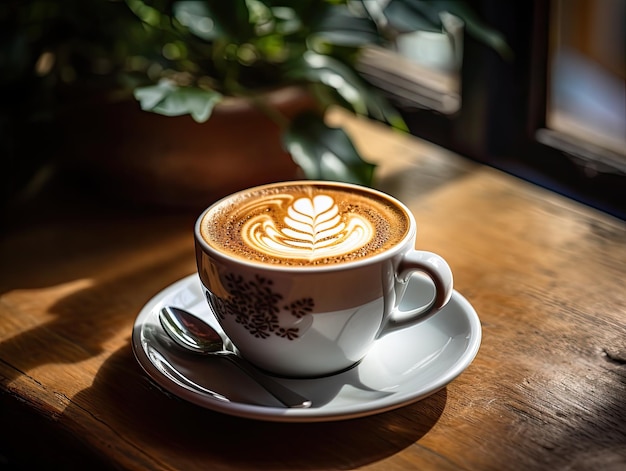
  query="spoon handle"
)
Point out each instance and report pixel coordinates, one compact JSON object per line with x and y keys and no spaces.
{"x":285,"y":395}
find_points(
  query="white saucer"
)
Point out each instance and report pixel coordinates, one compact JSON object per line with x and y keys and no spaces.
{"x":402,"y":367}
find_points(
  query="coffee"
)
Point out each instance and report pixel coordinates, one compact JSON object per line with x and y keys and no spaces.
{"x":303,"y":277}
{"x":304,"y":224}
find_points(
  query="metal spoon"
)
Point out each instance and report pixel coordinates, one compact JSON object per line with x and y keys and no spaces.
{"x":195,"y":335}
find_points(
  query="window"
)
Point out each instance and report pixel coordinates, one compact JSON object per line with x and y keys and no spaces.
{"x":532,"y":116}
{"x":586,"y":101}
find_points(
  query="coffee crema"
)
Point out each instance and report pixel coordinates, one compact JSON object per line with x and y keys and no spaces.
{"x":304,"y":224}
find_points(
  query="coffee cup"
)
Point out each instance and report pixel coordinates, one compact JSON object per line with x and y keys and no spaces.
{"x":304,"y":276}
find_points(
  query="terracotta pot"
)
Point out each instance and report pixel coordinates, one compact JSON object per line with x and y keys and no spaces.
{"x":174,"y":161}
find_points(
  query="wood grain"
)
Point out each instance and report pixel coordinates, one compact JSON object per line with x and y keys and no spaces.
{"x":547,"y":389}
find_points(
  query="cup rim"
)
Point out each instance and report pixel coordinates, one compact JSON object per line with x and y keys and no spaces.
{"x":389,"y":253}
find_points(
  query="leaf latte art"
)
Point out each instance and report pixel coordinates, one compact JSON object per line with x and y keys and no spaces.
{"x":313,"y":228}
{"x":304,"y":224}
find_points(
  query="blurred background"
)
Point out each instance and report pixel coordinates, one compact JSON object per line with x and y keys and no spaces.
{"x":556,"y":115}
{"x":550,"y":107}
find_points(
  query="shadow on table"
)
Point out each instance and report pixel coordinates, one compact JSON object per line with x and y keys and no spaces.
{"x":79,"y":270}
{"x":110,"y":262}
{"x":78,"y":325}
{"x":143,"y":417}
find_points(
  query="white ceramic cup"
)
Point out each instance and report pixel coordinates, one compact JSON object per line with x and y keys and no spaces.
{"x":315,"y":320}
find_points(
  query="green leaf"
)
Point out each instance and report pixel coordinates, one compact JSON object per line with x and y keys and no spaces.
{"x":197,"y":18}
{"x":232,"y":17}
{"x":147,"y":13}
{"x":413,"y":15}
{"x":364,"y":99}
{"x":302,"y":9}
{"x":167,"y":99}
{"x":338,"y":26}
{"x":314,"y":67}
{"x":287,"y":21}
{"x":418,"y":15}
{"x":325,"y":153}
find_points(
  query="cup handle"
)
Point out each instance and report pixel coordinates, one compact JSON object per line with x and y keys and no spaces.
{"x":438,"y":270}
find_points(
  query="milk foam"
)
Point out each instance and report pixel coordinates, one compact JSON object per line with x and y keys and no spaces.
{"x":312,"y":229}
{"x":304,"y":224}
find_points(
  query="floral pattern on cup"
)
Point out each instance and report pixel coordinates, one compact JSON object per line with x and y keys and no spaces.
{"x":256,"y":306}
{"x":313,"y":228}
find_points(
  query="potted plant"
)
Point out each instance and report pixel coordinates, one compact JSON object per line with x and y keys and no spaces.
{"x":198,"y":59}
{"x":243,"y":48}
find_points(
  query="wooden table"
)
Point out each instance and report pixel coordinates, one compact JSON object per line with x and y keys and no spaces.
{"x":546,"y":390}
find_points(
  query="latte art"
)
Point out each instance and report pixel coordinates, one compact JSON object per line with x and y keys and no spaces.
{"x":304,"y":223}
{"x":313,"y":228}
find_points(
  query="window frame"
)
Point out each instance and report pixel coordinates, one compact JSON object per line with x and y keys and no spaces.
{"x":502,"y":120}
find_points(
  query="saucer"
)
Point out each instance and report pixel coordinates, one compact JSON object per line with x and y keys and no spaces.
{"x":402,"y":367}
